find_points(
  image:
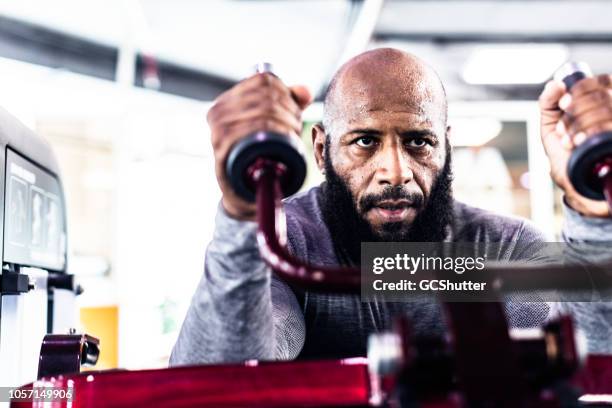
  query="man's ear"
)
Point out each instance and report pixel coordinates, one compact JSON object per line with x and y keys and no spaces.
{"x":318,"y":145}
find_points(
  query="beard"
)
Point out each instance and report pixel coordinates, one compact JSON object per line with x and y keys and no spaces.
{"x":348,"y":226}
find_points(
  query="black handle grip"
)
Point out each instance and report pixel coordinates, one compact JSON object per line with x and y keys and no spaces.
{"x":266,"y":145}
{"x":284,"y":149}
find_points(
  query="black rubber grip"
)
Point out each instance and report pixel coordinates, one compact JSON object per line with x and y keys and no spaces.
{"x":573,"y":79}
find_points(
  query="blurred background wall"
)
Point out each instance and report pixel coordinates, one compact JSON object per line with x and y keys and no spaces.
{"x":120,"y":88}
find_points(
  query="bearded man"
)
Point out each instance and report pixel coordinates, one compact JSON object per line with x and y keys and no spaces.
{"x":383,"y":146}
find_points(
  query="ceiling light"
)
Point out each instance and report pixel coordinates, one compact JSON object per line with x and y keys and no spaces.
{"x":474,"y":131}
{"x":513,"y":64}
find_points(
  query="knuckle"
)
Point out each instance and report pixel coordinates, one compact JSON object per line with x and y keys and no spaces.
{"x":294,"y":108}
{"x":261,"y":123}
{"x":268,"y":107}
{"x":577,"y":123}
{"x":212,"y":113}
{"x":268,"y":124}
{"x":541,"y":100}
{"x":604,"y":80}
{"x":266,"y":79}
{"x":603,"y":95}
{"x":277,"y":95}
{"x":598,"y":96}
{"x":260,"y":80}
{"x":583,"y":86}
{"x":594,"y":129}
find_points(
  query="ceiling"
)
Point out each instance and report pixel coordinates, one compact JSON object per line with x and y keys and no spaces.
{"x":307,"y":40}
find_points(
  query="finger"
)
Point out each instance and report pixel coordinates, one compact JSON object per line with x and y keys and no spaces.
{"x":263,"y":110}
{"x":578,"y":138}
{"x":259,"y":80}
{"x":234,"y":129}
{"x":565,"y":101}
{"x":566,"y":123}
{"x":265,"y":124}
{"x":587,"y":85}
{"x":252,"y":99}
{"x":255,"y":81}
{"x":552,"y":92}
{"x":224,"y":129}
{"x":591,"y":118}
{"x":246,"y":128}
{"x":598,"y":128}
{"x":249,"y":96}
{"x":559,"y":136}
{"x":566,"y":141}
{"x":557,"y":146}
{"x":584,"y":103}
{"x":302,"y":95}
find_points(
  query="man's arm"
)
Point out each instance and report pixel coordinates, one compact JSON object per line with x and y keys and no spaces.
{"x":239,"y":311}
{"x":588,"y":241}
{"x":567,"y":120}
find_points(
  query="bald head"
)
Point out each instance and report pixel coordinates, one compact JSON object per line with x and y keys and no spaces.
{"x":384,"y":150}
{"x":385,"y":79}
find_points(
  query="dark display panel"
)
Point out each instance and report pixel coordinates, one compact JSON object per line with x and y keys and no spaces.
{"x":35,"y":227}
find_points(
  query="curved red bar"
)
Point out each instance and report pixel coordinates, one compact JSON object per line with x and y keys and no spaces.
{"x":266,"y":176}
{"x":339,"y":383}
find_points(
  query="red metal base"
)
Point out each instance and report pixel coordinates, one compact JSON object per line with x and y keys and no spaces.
{"x":286,"y":384}
{"x":335,"y":383}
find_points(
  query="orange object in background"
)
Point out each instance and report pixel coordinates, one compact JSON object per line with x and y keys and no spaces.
{"x":103,"y":323}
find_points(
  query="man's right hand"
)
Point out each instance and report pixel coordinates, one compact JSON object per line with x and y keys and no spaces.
{"x":261,"y":102}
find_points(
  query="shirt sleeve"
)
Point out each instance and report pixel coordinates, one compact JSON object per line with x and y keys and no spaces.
{"x":589,"y":241}
{"x":239,"y":311}
{"x":578,"y":228}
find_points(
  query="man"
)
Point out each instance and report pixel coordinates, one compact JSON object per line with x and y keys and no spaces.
{"x":384,"y":148}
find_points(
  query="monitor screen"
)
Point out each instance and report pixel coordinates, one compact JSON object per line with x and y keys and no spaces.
{"x":35,"y":226}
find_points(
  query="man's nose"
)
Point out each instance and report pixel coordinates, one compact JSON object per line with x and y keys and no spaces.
{"x":394,"y":166}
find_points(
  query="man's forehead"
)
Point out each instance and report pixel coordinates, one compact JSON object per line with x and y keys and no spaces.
{"x":398,"y":111}
{"x":354,"y":107}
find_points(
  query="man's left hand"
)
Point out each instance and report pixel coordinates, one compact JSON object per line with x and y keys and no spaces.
{"x":568,"y":119}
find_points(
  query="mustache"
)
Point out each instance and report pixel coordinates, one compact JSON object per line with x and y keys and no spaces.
{"x":395,"y":193}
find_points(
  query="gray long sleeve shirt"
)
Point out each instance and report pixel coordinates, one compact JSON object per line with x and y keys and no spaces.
{"x":241,"y":311}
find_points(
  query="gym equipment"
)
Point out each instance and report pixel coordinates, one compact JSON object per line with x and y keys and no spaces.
{"x":479,"y":363}
{"x":590,"y":165}
{"x":286,"y":152}
{"x":36,"y":292}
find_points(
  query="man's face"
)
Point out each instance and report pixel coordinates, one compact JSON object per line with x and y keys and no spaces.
{"x":389,"y":158}
{"x":383,"y":147}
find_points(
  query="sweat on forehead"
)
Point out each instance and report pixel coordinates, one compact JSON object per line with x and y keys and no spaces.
{"x":385,"y":79}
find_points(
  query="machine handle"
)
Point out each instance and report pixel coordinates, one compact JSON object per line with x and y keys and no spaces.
{"x":590,"y":164}
{"x":285,"y":150}
{"x":66,"y":353}
{"x":572,"y":72}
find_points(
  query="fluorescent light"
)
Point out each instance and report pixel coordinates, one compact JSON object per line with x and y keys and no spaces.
{"x":513,"y":64}
{"x":474,"y":131}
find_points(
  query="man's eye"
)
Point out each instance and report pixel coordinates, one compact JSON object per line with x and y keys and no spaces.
{"x":417,"y":142}
{"x":365,"y":141}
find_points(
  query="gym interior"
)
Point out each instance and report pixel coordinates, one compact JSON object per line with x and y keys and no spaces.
{"x":109,"y":171}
